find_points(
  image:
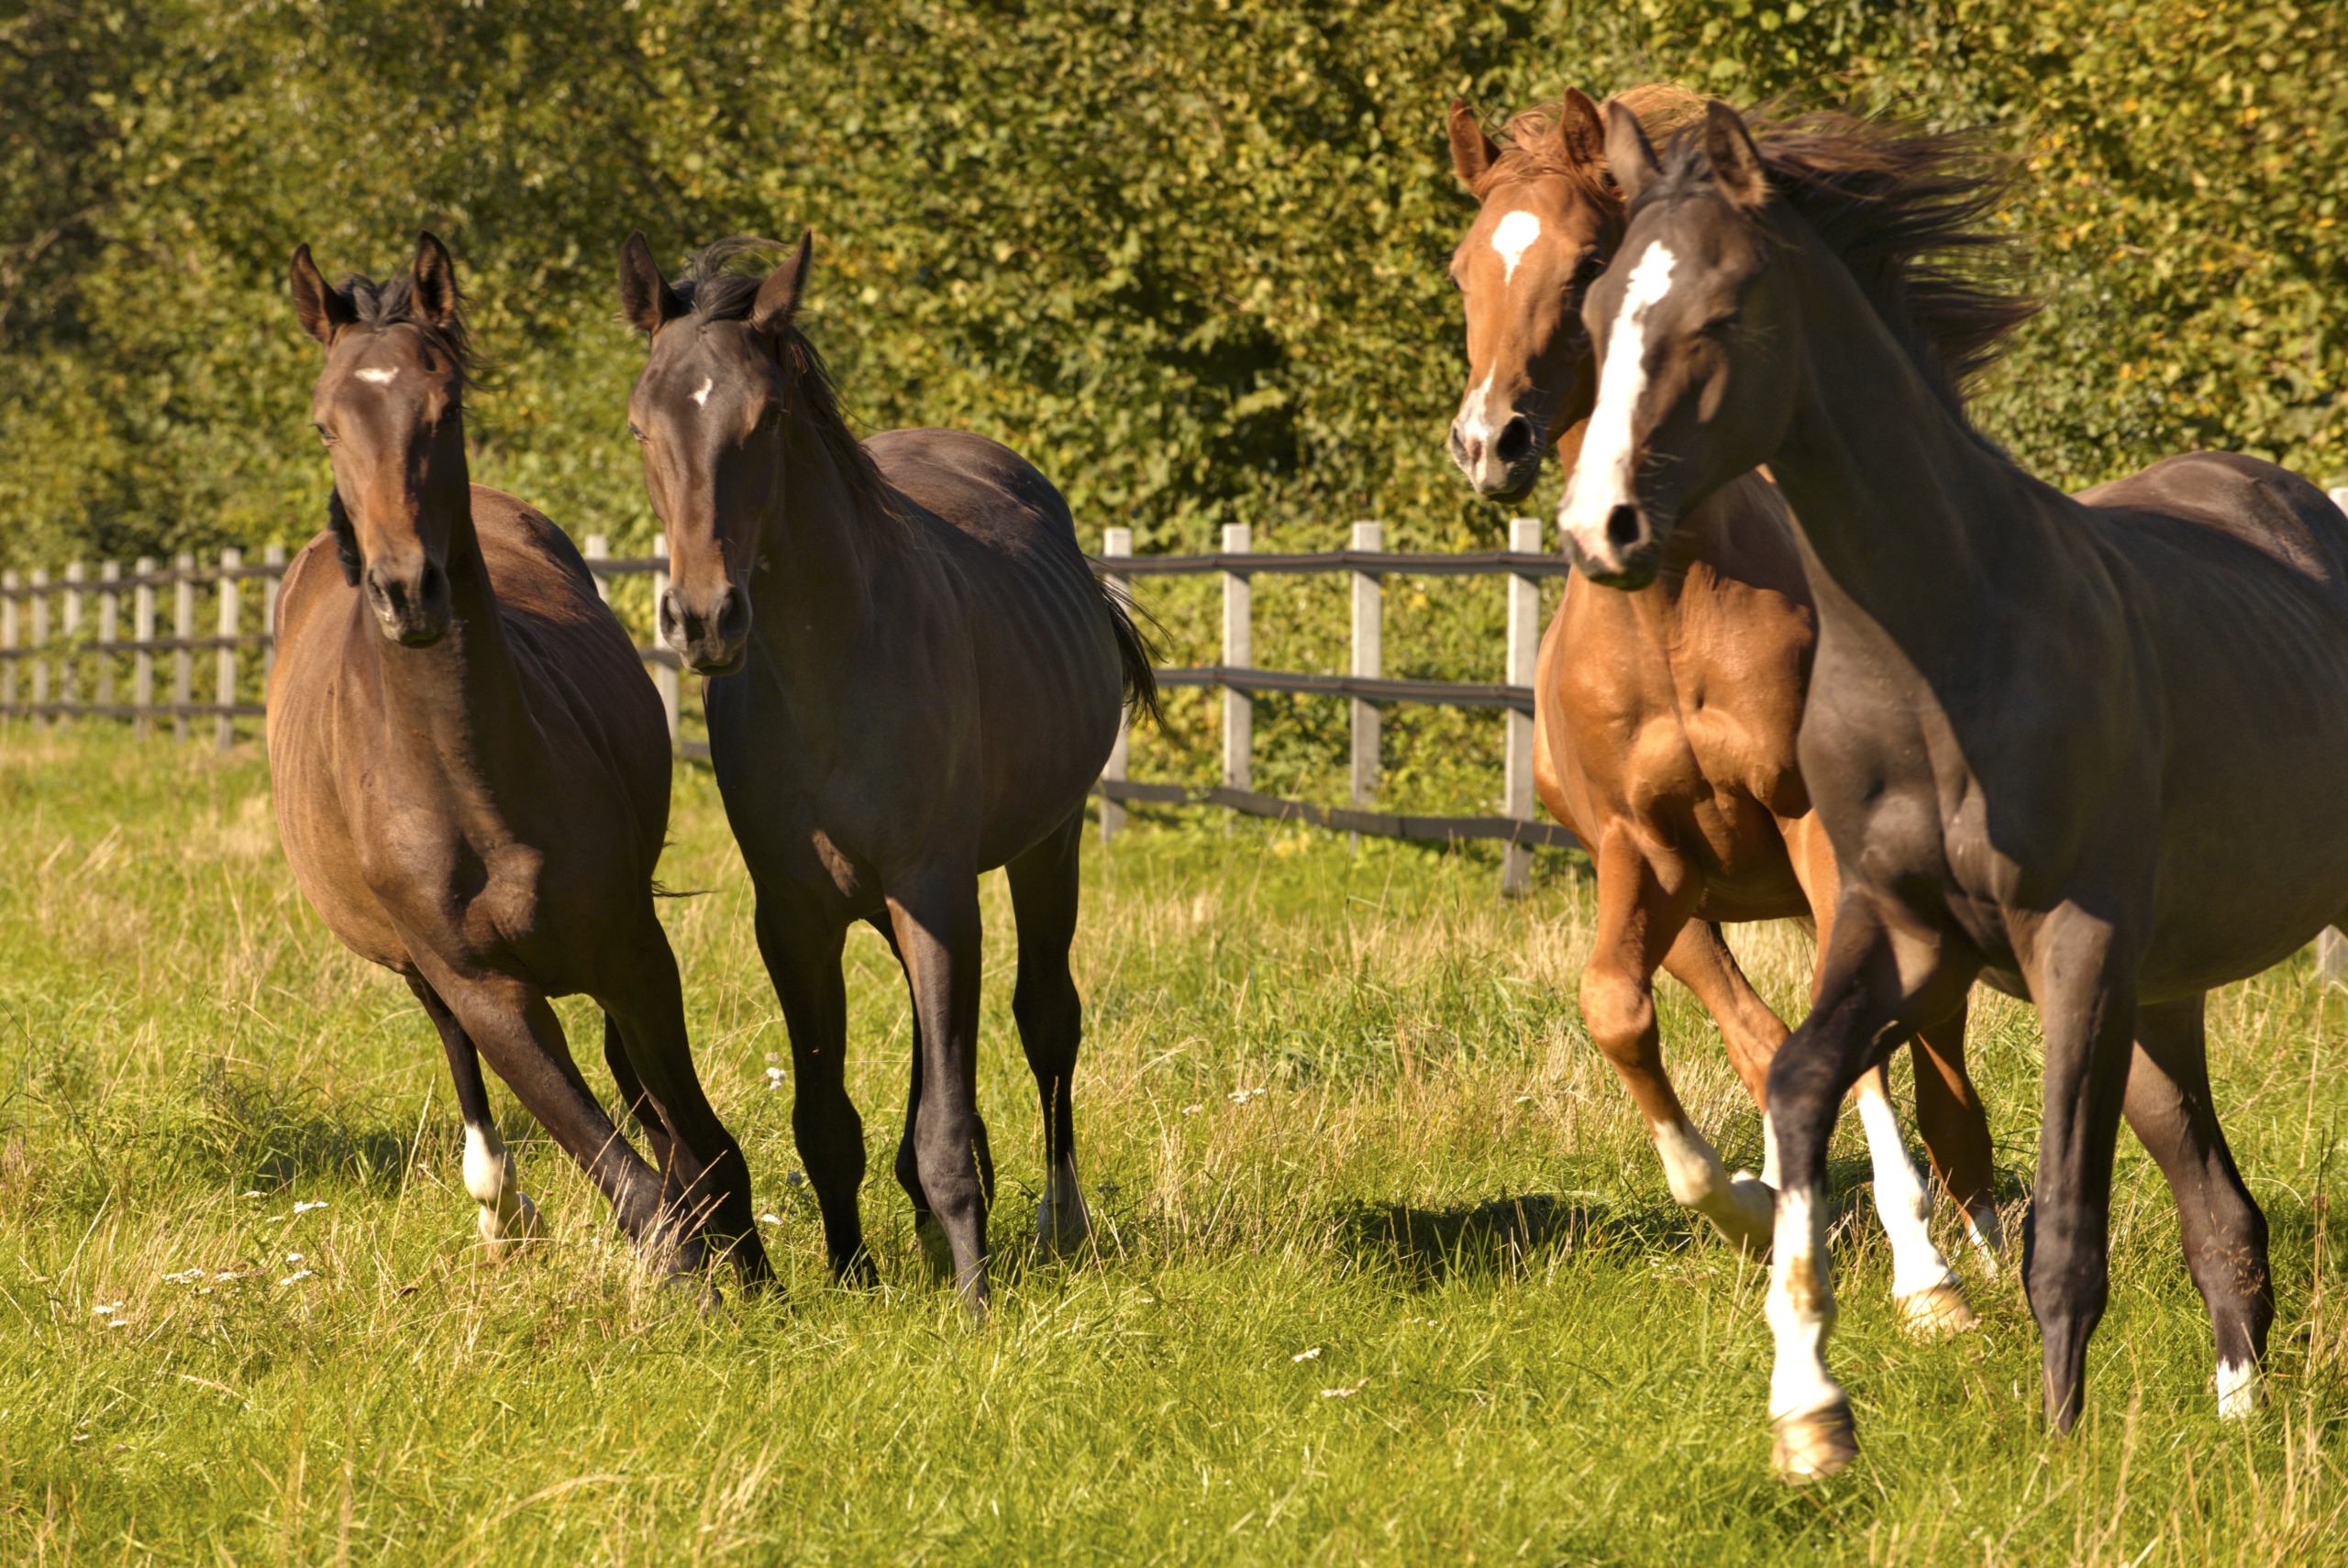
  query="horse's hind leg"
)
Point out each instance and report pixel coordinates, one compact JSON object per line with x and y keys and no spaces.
{"x":1955,"y":1131}
{"x":506,"y":1214}
{"x":1639,"y":921}
{"x":2223,"y":1231}
{"x":632,"y":1096}
{"x":1051,"y":1020}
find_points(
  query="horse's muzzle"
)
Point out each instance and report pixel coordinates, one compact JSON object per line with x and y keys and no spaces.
{"x":1625,"y":551}
{"x":711,"y":638}
{"x":412,"y":609}
{"x":1505,"y":467}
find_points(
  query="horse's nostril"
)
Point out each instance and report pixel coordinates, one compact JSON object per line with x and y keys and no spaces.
{"x":672,"y":622}
{"x":431,"y":585}
{"x":1515,"y":441}
{"x":1623,"y":526}
{"x":734,"y":615}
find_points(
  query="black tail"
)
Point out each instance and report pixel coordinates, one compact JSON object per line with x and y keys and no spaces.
{"x":1134,"y":653}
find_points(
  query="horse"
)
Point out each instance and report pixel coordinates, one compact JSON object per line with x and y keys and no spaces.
{"x":914,"y":677}
{"x":471,"y":777}
{"x":2090,"y":750}
{"x":1666,"y":719}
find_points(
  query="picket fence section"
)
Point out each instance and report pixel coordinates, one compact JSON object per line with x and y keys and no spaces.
{"x":64,"y":655}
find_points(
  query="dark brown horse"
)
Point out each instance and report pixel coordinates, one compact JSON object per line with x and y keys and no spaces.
{"x":471,"y":774}
{"x":1666,"y":718}
{"x":915,"y":677}
{"x":2090,"y":750}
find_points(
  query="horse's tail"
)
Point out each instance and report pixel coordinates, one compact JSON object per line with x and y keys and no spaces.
{"x":1135,"y":655}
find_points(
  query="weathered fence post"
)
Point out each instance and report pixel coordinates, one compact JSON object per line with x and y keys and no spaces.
{"x":110,"y":628}
{"x":599,"y":548}
{"x":142,"y":639}
{"x":8,"y":643}
{"x":1523,"y":652}
{"x":224,"y":682}
{"x":183,"y":631}
{"x":1369,"y":661}
{"x":273,"y":557}
{"x":69,"y":685}
{"x":664,"y":674}
{"x":2331,"y":955}
{"x":1116,"y":543}
{"x":1238,"y":653}
{"x":39,"y":644}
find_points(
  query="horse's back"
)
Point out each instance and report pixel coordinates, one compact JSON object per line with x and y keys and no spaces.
{"x":2245,"y":499}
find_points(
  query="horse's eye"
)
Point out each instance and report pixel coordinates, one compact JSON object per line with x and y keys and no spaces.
{"x":324,"y":435}
{"x":772,"y":416}
{"x":634,"y":434}
{"x":1586,"y":271}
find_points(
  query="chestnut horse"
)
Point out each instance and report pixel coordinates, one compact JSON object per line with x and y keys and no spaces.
{"x":2091,"y":750}
{"x":915,"y":677}
{"x":1666,"y":718}
{"x":471,"y":774}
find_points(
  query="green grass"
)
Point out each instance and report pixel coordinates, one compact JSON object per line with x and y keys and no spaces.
{"x":1570,"y":1377}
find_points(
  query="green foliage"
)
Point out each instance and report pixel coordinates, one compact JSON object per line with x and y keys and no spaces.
{"x":1189,"y":257}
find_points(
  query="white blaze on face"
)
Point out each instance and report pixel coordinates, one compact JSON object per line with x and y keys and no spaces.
{"x":701,"y":395}
{"x":1602,"y":477}
{"x":1475,"y":417}
{"x":380,"y":378}
{"x":1512,"y":236}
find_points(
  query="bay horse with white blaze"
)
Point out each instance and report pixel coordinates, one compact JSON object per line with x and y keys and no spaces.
{"x":914,"y":678}
{"x":2092,"y":750}
{"x":1666,"y":718}
{"x":471,"y":777}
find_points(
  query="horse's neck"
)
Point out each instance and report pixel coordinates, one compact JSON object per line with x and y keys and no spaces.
{"x":456,"y":708}
{"x":819,"y":562}
{"x":1905,"y":511}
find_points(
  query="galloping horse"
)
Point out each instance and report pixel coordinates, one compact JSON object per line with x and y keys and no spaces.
{"x":1667,"y":717}
{"x":471,"y":775}
{"x":2090,"y":750}
{"x":915,"y":677}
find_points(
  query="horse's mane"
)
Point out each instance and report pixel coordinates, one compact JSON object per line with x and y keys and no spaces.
{"x":713,"y":289}
{"x":1909,"y":212}
{"x":1529,"y":147}
{"x":392,"y":302}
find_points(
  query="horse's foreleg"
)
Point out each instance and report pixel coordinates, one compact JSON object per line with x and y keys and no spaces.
{"x":2079,"y":976}
{"x":1640,"y":918}
{"x":1863,"y":1006}
{"x":802,"y":948}
{"x":506,"y":1214}
{"x":935,"y":914}
{"x":1051,"y":1022}
{"x":705,"y":1181}
{"x":2224,"y":1233}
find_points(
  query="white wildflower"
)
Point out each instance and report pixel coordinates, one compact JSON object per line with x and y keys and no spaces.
{"x":1307,"y":1354}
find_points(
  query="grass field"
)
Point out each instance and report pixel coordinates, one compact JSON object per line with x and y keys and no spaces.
{"x":1423,"y":1297}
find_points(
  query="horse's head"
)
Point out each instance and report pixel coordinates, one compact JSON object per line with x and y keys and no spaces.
{"x":390,"y":406}
{"x":1696,"y":349}
{"x":1547,"y":225}
{"x":709,"y":411}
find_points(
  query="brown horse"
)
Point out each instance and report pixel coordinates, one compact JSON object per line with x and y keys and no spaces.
{"x":1666,"y":718}
{"x":2090,"y":750}
{"x":471,"y":773}
{"x":915,"y":677}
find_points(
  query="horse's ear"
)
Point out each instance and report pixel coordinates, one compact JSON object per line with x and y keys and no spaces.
{"x":437,"y":299}
{"x":1629,"y":155}
{"x":1472,"y":151}
{"x":1736,"y":162}
{"x":779,"y":296}
{"x":1582,"y":134}
{"x":646,"y":298}
{"x":322,"y":310}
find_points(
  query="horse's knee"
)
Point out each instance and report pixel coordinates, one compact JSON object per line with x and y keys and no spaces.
{"x":1619,"y":1010}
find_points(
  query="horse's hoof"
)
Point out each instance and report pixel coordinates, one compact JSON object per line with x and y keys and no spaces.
{"x":1812,"y":1447}
{"x":935,"y":1248}
{"x":503,"y":1235}
{"x":1936,"y":1312}
{"x":1748,"y":1220}
{"x":1063,"y":1227}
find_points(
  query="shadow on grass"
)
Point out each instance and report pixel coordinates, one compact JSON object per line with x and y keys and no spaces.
{"x":263,"y":1134}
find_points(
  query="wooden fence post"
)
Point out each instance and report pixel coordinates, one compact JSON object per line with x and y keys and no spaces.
{"x":1368,"y":662}
{"x":1116,"y":543}
{"x":273,"y":557}
{"x":69,"y":685}
{"x":599,"y":548}
{"x":39,"y":644}
{"x":1238,"y":653}
{"x":110,"y":627}
{"x":224,"y":682}
{"x":664,"y":674}
{"x":184,"y":630}
{"x":1523,"y":652}
{"x":142,"y":638}
{"x":8,"y":643}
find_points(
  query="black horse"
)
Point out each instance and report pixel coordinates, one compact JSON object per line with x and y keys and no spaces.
{"x":915,"y":677}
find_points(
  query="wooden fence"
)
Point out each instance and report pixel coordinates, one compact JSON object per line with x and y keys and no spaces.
{"x":65,"y":656}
